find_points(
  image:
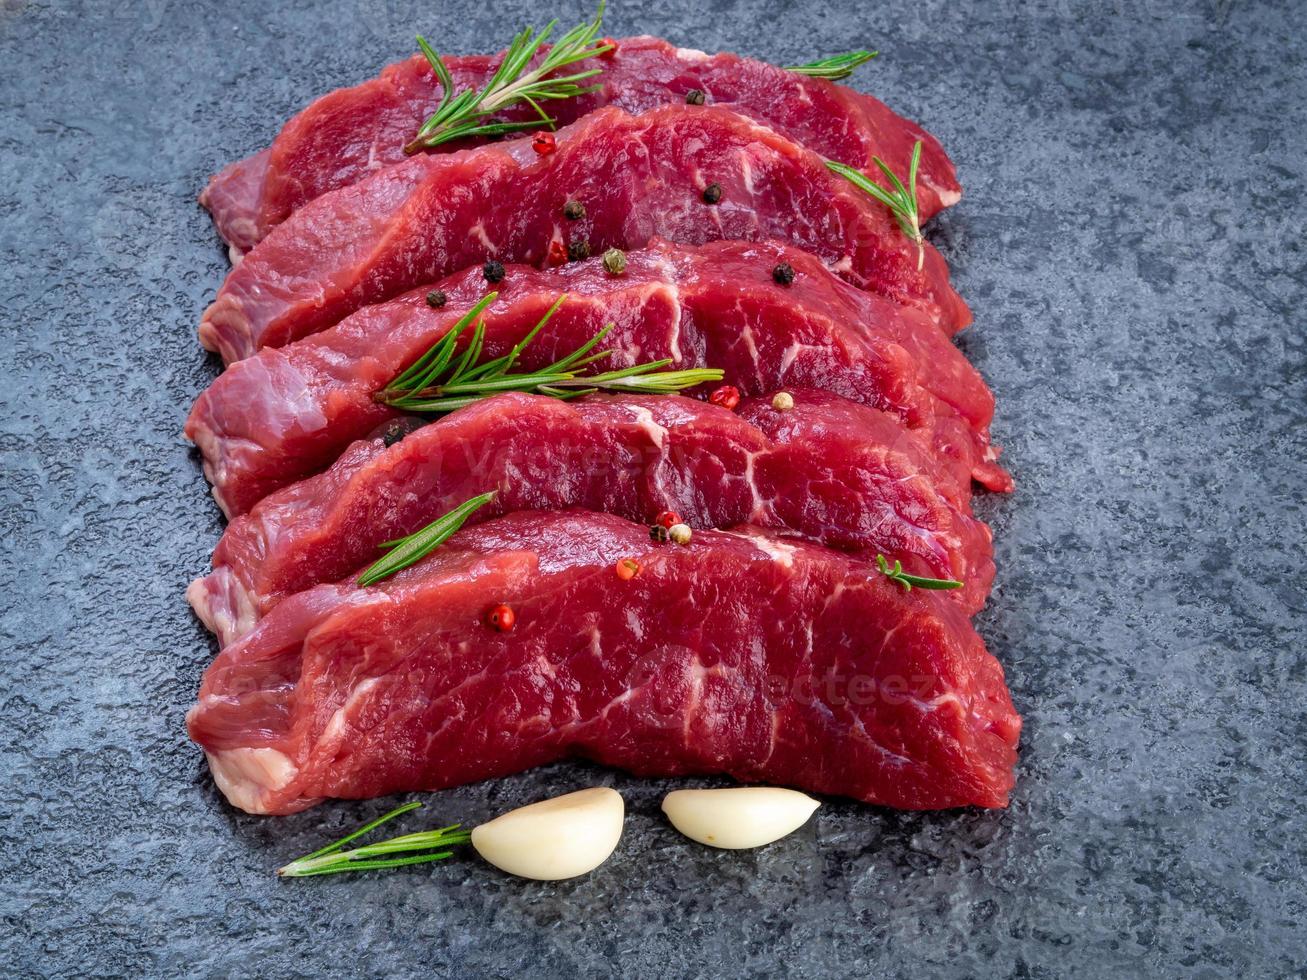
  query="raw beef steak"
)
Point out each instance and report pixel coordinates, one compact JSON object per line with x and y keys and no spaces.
{"x":685,"y":173}
{"x":742,"y":653}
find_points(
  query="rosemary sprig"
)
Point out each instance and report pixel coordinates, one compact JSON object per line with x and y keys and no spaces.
{"x":419,"y":848}
{"x":836,"y":67}
{"x":416,"y":546}
{"x":469,"y":112}
{"x":901,"y":201}
{"x":896,"y":574}
{"x":438,"y":381}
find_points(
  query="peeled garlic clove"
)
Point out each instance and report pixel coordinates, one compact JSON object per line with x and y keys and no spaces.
{"x":559,"y":838}
{"x":741,"y":816}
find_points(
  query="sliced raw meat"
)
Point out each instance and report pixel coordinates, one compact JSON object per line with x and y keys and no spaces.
{"x":839,"y":473}
{"x":352,"y":132}
{"x":286,"y":413}
{"x":637,"y":177}
{"x":742,"y":653}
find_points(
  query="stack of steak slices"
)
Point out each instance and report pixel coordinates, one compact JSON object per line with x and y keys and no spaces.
{"x":777,"y":644}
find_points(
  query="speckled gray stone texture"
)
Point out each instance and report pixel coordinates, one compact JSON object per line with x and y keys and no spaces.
{"x":1132,"y":242}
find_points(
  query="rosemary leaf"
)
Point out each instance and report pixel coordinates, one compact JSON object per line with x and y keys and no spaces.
{"x":435,"y":360}
{"x":470,"y":112}
{"x":896,"y":574}
{"x":409,"y":550}
{"x":420,"y":848}
{"x":439,"y":382}
{"x":901,"y":199}
{"x":836,"y":67}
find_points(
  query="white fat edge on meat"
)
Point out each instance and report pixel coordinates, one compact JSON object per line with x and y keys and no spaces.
{"x":859,"y":729}
{"x":746,"y":173}
{"x":213,"y":458}
{"x":667,"y":269}
{"x":759,"y":511}
{"x":775,"y":549}
{"x":337,"y":725}
{"x":657,"y":435}
{"x":301,"y":400}
{"x":479,"y":233}
{"x":927,"y":705}
{"x":788,"y":356}
{"x":692,"y":54}
{"x":243,"y":228}
{"x":762,"y":132}
{"x":644,"y":420}
{"x":937,"y":542}
{"x":947,"y":198}
{"x":296,"y":405}
{"x":632,"y":353}
{"x":844,"y":265}
{"x":223,"y":604}
{"x":804,"y":97}
{"x":747,"y":336}
{"x":245,"y":774}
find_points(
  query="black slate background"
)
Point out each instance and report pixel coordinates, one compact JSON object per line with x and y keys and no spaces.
{"x":1132,"y":242}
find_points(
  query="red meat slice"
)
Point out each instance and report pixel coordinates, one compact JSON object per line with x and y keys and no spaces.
{"x":351,"y":133}
{"x":637,"y":177}
{"x":742,"y":653}
{"x":286,"y":413}
{"x":838,"y":473}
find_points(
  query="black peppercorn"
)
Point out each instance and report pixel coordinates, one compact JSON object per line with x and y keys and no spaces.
{"x":578,"y":251}
{"x":573,"y":210}
{"x":493,"y":271}
{"x":436,"y":298}
{"x":659,"y":533}
{"x":398,"y":429}
{"x":783,"y":274}
{"x":712,"y":193}
{"x":492,"y":136}
{"x":694,"y":97}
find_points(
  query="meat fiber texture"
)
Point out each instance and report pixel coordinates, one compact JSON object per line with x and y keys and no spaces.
{"x":351,"y":133}
{"x":638,"y":177}
{"x":766,"y":659}
{"x":288,"y":413}
{"x":829,"y":470}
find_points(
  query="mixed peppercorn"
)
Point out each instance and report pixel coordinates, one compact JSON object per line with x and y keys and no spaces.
{"x":727,"y":396}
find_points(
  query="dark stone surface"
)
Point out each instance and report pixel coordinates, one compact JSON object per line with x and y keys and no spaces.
{"x":1132,"y":243}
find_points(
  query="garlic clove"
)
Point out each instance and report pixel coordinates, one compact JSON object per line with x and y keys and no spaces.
{"x":740,"y":816}
{"x":553,"y":839}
